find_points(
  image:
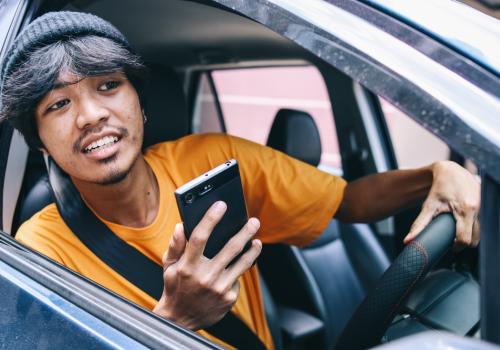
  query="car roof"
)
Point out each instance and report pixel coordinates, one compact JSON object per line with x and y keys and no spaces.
{"x":180,"y":33}
{"x":455,"y":24}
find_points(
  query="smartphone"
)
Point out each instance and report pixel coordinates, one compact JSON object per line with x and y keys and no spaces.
{"x":223,"y":183}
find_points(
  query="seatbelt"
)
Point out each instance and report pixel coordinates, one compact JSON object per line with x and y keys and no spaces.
{"x":127,"y":261}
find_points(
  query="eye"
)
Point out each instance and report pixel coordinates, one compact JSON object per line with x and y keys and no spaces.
{"x":109,"y":85}
{"x":58,"y":105}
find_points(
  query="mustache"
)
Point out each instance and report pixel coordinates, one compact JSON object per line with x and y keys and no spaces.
{"x":77,"y":146}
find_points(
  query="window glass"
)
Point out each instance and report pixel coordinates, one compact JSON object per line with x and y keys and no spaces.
{"x":471,"y":166}
{"x":250,"y":99}
{"x":413,"y":145}
{"x":205,"y":117}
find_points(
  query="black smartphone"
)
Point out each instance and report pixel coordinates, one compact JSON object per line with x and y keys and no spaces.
{"x":222,"y":183}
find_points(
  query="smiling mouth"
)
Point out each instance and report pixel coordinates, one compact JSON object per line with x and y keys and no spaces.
{"x":100,"y":144}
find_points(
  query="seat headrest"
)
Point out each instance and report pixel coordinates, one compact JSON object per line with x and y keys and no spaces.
{"x":296,"y":134}
{"x":165,"y":107}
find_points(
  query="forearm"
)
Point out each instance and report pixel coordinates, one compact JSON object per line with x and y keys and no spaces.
{"x":377,"y":196}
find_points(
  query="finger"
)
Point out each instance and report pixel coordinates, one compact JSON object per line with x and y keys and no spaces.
{"x":203,"y":230}
{"x":236,"y":244}
{"x":422,"y":220}
{"x":464,"y":227}
{"x":175,"y":247}
{"x":244,"y":263}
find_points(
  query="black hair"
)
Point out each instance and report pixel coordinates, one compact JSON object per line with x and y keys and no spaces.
{"x":84,"y":56}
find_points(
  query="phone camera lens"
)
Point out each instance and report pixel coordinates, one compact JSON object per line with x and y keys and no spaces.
{"x":189,"y":198}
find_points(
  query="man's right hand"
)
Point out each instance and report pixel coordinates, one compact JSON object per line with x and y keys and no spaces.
{"x":199,"y":291}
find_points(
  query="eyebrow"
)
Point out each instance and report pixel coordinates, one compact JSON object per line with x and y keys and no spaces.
{"x":60,"y":85}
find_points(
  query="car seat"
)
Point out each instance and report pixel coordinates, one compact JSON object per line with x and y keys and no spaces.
{"x":330,"y":277}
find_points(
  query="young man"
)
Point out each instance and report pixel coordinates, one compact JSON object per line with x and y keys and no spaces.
{"x":73,"y":87}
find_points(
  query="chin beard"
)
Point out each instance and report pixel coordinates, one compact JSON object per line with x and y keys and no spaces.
{"x":115,"y":176}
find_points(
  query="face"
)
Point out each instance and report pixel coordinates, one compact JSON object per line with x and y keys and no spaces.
{"x":92,"y":126}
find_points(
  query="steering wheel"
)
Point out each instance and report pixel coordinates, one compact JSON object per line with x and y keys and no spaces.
{"x":374,"y":315}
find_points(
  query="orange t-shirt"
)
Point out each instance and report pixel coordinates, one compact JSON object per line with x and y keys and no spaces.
{"x":294,"y":202}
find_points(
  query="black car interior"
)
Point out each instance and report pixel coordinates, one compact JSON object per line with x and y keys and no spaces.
{"x":309,"y":306}
{"x":332,"y":274}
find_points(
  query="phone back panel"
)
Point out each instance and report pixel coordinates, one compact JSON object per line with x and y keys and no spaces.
{"x":225,"y":186}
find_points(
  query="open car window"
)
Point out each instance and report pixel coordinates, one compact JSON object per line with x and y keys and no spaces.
{"x":251,"y":98}
{"x":244,"y":103}
{"x":413,"y":145}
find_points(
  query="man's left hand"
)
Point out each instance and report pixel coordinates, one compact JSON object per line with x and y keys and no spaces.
{"x":453,"y":190}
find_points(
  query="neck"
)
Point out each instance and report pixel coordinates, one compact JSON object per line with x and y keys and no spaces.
{"x":132,"y":202}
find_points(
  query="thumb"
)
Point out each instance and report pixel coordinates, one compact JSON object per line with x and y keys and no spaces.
{"x":422,"y":220}
{"x":175,"y":248}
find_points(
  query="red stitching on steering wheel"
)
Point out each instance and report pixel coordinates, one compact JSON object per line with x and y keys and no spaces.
{"x":422,"y":250}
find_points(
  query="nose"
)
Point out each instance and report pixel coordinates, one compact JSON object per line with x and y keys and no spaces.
{"x":91,"y":112}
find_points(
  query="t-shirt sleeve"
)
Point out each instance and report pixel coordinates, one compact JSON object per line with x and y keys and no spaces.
{"x":293,"y":200}
{"x":36,"y":234}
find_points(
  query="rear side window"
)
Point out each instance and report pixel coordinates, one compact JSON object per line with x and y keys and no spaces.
{"x":413,"y":145}
{"x":250,"y":99}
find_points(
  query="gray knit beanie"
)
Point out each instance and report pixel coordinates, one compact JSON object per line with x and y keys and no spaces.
{"x":53,"y":27}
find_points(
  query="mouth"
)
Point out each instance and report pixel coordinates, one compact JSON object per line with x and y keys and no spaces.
{"x":100,"y":144}
{"x":102,"y":148}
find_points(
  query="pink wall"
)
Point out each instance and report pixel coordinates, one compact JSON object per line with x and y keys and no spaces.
{"x":250,"y":99}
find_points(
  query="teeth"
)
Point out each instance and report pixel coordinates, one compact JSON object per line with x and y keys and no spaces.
{"x":101,"y":142}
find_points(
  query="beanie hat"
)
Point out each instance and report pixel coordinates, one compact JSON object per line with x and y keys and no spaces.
{"x":53,"y":27}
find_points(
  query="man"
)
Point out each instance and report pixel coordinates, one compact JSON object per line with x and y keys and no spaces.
{"x":73,"y":87}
